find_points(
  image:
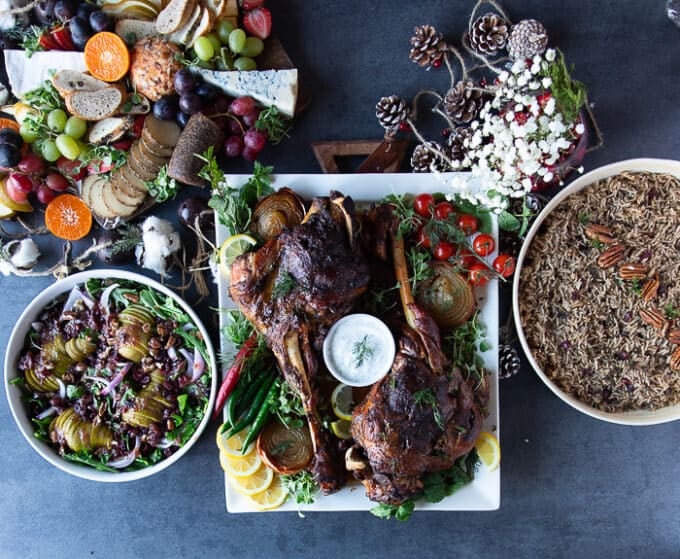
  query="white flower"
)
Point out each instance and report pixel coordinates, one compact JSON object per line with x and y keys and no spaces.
{"x":546,"y":83}
{"x":550,"y":55}
{"x":580,"y":129}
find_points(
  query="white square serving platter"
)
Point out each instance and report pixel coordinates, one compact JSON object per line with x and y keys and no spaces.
{"x":483,"y":493}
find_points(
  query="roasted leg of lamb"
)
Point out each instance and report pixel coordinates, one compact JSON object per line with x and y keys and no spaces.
{"x":292,"y":289}
{"x":423,"y":415}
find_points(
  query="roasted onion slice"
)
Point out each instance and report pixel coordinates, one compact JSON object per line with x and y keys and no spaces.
{"x":286,"y":450}
{"x":281,"y":210}
{"x":447,"y":296}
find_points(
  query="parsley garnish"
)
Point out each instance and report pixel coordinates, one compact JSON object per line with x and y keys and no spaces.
{"x":362,"y":351}
{"x":273,"y":123}
{"x":238,"y":328}
{"x":163,"y":187}
{"x":301,"y":486}
{"x":403,"y":209}
{"x":671,"y":311}
{"x":419,"y":262}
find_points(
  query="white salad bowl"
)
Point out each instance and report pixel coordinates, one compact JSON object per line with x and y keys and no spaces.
{"x":14,"y":393}
{"x":633,"y":417}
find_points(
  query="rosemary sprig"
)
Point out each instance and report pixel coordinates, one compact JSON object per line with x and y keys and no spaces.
{"x":362,"y":351}
{"x":570,"y":95}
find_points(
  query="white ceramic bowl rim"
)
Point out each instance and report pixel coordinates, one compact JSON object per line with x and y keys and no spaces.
{"x":635,"y":417}
{"x":14,"y":393}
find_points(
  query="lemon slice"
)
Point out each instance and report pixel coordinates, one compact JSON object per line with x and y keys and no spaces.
{"x":340,"y":428}
{"x":233,"y":445}
{"x":342,"y":401}
{"x":240,"y":466}
{"x":231,"y":248}
{"x":271,"y":498}
{"x":258,"y":481}
{"x":488,"y":450}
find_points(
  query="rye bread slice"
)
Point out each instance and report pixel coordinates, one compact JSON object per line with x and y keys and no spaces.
{"x":174,"y":15}
{"x":92,"y":192}
{"x":140,"y":160}
{"x":164,"y":132}
{"x":149,"y":145}
{"x":125,"y":193}
{"x":198,"y":135}
{"x":114,"y":204}
{"x":146,"y":153}
{"x":94,"y":105}
{"x":143,"y":172}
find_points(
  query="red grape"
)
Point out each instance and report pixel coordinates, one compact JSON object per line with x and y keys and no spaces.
{"x":233,"y":146}
{"x":57,"y":182}
{"x":14,"y":193}
{"x":45,"y":194}
{"x":255,"y":140}
{"x":20,"y":182}
{"x":242,"y":105}
{"x":249,"y":154}
{"x":222,"y":103}
{"x":236,"y":126}
{"x":249,"y":119}
{"x":32,"y":163}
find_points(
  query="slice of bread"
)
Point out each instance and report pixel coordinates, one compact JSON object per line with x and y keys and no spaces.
{"x":181,"y":36}
{"x":174,"y":15}
{"x":204,"y":26}
{"x":198,"y":135}
{"x":142,"y":161}
{"x":131,"y":30}
{"x":165,"y":133}
{"x":124,"y":192}
{"x":149,"y":145}
{"x":109,"y":129}
{"x":92,"y":194}
{"x":133,"y":180}
{"x":140,"y":168}
{"x":152,"y":160}
{"x":67,"y":81}
{"x":115,"y":205}
{"x":94,"y":105}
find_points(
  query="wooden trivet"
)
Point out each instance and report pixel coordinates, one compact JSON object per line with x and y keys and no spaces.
{"x":383,"y":156}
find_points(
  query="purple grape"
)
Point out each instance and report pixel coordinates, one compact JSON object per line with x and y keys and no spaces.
{"x":190,"y":103}
{"x":100,"y":21}
{"x":185,"y":81}
{"x":44,"y":12}
{"x":222,"y":103}
{"x":9,"y":136}
{"x":192,"y":208}
{"x":233,"y":146}
{"x":65,"y":9}
{"x":182,"y":118}
{"x":235,"y":126}
{"x":206,"y":91}
{"x":85,"y":9}
{"x":165,"y":108}
{"x":80,"y":29}
{"x":9,"y":155}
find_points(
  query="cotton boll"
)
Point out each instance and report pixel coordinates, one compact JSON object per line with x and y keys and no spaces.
{"x":24,"y":254}
{"x":159,"y":242}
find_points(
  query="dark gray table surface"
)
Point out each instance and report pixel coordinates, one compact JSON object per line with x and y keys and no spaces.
{"x":571,"y":485}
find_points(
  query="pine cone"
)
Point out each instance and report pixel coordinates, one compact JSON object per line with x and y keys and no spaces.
{"x":391,"y":112}
{"x":456,"y":141}
{"x":428,"y":46}
{"x":488,"y":34}
{"x":508,"y":361}
{"x":527,"y":39}
{"x":425,"y":158}
{"x":463,"y":101}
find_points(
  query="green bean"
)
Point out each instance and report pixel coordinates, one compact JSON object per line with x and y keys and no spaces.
{"x":256,"y":405}
{"x":262,"y":415}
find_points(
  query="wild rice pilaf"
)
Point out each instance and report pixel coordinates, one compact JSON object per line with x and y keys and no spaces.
{"x":583,"y":322}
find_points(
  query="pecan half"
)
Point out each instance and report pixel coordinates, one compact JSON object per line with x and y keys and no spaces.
{"x":611,"y":256}
{"x":675,"y":359}
{"x":674,"y":336}
{"x":650,"y":288}
{"x":653,"y":317}
{"x":633,"y":270}
{"x":597,"y":232}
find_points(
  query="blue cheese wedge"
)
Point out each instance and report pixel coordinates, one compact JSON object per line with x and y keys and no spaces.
{"x":26,"y":74}
{"x":278,"y":88}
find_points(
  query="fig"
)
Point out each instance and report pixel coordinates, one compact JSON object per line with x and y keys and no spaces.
{"x":193,"y":207}
{"x":113,"y":254}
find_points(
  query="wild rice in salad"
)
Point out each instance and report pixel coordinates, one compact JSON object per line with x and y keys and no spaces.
{"x":583,"y":321}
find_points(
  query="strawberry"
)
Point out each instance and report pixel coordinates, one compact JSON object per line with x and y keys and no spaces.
{"x":62,"y":36}
{"x":258,"y":22}
{"x":73,"y":169}
{"x":250,"y":4}
{"x":47,"y":42}
{"x":95,"y":167}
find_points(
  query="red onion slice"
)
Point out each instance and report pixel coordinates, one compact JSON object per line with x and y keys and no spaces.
{"x":104,"y":299}
{"x":62,"y":387}
{"x":115,"y":381}
{"x":127,"y":459}
{"x":189,"y":359}
{"x":46,"y":413}
{"x":199,"y":366}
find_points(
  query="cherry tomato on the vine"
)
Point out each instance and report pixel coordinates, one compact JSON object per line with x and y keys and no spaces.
{"x":423,"y":204}
{"x":504,"y":264}
{"x":483,"y":244}
{"x":444,"y":250}
{"x":422,"y":239}
{"x":466,"y":258}
{"x":478,"y":274}
{"x":443,"y":210}
{"x":468,"y":224}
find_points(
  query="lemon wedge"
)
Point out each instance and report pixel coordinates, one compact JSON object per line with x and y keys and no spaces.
{"x":240,"y":466}
{"x":271,"y":498}
{"x":233,"y":445}
{"x":231,"y":248}
{"x":341,"y":429}
{"x":488,"y":450}
{"x":342,"y":401}
{"x":258,"y":481}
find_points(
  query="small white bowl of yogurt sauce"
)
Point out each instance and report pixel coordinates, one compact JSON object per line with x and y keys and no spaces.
{"x":359,"y":349}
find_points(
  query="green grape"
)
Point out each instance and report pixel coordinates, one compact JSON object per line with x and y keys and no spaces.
{"x":224,"y":27}
{"x":244,"y":64}
{"x":214,"y":41}
{"x":206,"y":64}
{"x":50,"y":151}
{"x":75,"y":127}
{"x":237,"y":40}
{"x":68,"y":147}
{"x":253,"y":47}
{"x":225,"y":60}
{"x":56,"y":120}
{"x":204,"y":49}
{"x":28,"y":134}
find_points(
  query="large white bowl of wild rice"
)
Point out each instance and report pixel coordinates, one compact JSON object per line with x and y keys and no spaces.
{"x":602,"y":330}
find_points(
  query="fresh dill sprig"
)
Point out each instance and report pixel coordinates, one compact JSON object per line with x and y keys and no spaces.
{"x":419,"y":263}
{"x":427,"y":398}
{"x":362,"y":351}
{"x":285,"y":283}
{"x":570,"y":95}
